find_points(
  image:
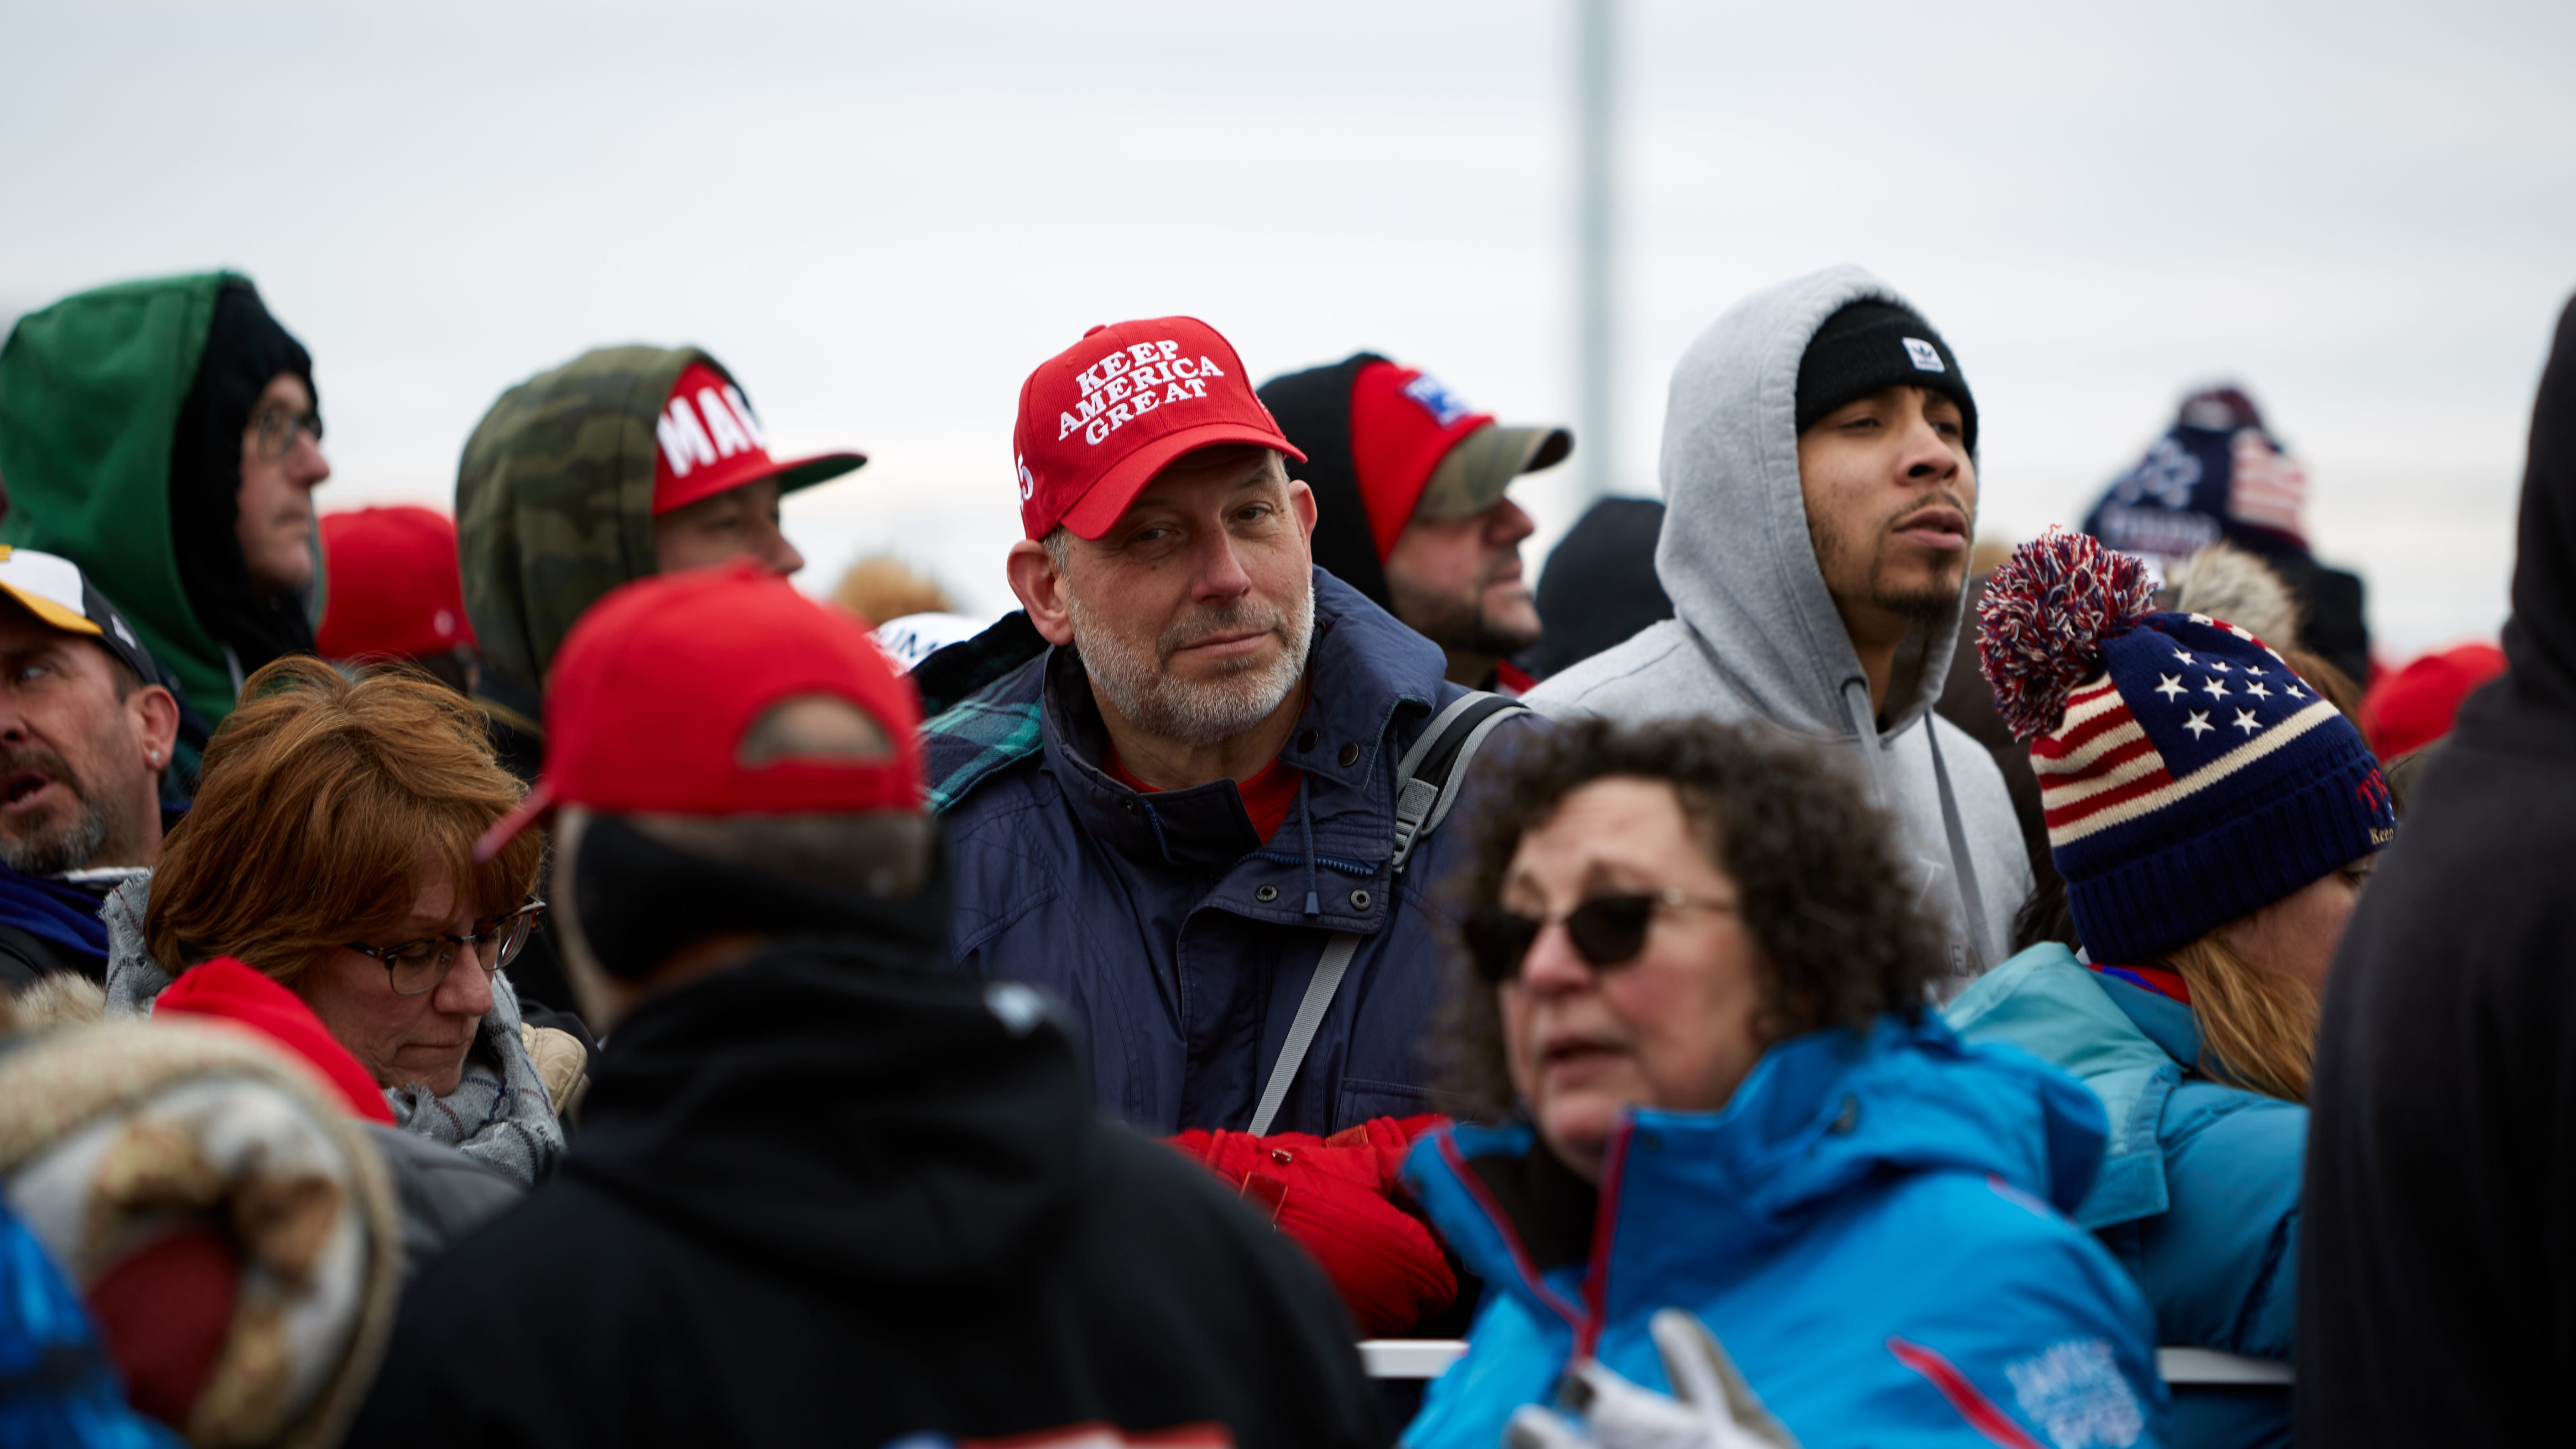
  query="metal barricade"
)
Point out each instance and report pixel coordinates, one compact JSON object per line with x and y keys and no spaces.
{"x":1427,"y":1358}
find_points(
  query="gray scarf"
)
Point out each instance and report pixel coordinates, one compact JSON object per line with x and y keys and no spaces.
{"x":498,"y":1114}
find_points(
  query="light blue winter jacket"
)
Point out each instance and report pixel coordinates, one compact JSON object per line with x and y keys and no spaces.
{"x":2199,"y":1192}
{"x":1867,"y":1227}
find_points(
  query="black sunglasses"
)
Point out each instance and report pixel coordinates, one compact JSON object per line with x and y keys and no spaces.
{"x":1606,"y":931}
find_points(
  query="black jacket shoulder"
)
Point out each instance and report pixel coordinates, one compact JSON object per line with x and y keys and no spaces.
{"x":815,"y":1205}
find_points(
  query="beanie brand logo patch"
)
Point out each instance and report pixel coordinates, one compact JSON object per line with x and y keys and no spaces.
{"x":1129,"y":383}
{"x":1436,"y":399}
{"x":1927,"y":358}
{"x":729,"y":428}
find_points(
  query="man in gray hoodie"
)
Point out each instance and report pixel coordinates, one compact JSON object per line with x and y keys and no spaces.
{"x":1819,"y":466}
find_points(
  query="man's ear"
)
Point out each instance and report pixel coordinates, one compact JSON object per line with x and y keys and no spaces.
{"x":155,"y":717}
{"x":1301,"y":499}
{"x":1041,"y":590}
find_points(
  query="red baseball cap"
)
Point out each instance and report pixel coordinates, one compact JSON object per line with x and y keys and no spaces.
{"x":1419,"y":452}
{"x":2412,"y":707}
{"x":1101,"y":418}
{"x":660,"y":681}
{"x":392,"y":584}
{"x":711,"y":442}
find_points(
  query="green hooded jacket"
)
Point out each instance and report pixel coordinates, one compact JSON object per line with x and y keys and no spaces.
{"x":554,"y":506}
{"x":91,"y":391}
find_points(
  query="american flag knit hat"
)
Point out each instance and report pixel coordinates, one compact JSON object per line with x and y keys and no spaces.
{"x":2189,"y":776}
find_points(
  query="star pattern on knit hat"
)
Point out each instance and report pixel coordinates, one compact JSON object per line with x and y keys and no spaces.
{"x":2171,"y":687}
{"x":2213,"y":688}
{"x":2246,"y":721}
{"x":2184,"y":655}
{"x":2220,"y":665}
{"x":2199,"y":723}
{"x":2297,"y":693}
{"x":2254,"y":669}
{"x":2257,"y":690}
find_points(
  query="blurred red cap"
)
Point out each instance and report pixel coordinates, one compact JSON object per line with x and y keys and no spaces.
{"x":2412,"y":707}
{"x":658,"y":684}
{"x":1403,"y":423}
{"x":231,"y":990}
{"x":392,"y":584}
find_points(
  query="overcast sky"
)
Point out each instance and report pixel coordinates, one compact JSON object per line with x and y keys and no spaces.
{"x":881,"y":217}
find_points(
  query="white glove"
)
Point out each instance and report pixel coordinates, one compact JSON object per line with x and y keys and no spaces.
{"x":1711,"y":1408}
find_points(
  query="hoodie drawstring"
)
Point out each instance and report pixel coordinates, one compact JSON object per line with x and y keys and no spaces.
{"x":1964,"y":865}
{"x":1306,"y":828}
{"x":1865,"y":727}
{"x":1968,"y":960}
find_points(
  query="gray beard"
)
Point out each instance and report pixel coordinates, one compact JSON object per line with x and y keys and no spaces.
{"x":1131,"y":676}
{"x":68,"y":846}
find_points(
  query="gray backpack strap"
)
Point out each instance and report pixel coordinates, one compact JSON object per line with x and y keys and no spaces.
{"x":1301,"y":1032}
{"x":1431,"y":773}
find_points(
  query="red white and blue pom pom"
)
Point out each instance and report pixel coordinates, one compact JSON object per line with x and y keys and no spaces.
{"x":2042,"y":621}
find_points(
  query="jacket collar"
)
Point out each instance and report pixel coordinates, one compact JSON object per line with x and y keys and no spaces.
{"x":1365,"y":672}
{"x":2172,"y":1026}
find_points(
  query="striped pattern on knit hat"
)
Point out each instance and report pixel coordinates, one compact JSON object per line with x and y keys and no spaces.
{"x":2188,"y":775}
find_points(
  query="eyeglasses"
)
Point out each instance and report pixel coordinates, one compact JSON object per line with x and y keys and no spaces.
{"x":277,"y":426}
{"x":416,"y":967}
{"x":1606,"y":931}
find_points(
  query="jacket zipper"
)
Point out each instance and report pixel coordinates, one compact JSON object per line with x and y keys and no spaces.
{"x":1605,"y":1226}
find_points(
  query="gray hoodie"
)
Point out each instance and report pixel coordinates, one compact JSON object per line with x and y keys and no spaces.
{"x":1755,"y":634}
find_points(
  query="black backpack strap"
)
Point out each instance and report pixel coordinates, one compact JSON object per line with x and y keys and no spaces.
{"x":1432,"y":771}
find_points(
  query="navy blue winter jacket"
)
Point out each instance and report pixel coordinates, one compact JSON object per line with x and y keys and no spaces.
{"x":1178,"y":940}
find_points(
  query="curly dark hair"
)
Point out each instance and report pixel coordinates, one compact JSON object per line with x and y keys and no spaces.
{"x":1840,"y":939}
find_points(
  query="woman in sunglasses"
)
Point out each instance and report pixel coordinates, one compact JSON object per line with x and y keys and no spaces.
{"x":331,"y":847}
{"x":1698,"y":1003}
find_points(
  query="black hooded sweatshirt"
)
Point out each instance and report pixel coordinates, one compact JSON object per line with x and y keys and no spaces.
{"x":2437,"y":1270}
{"x":832,"y":1197}
{"x":245,"y":350}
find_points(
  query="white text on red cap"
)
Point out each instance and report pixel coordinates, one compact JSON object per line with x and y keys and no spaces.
{"x":1122,"y":386}
{"x":730,"y":428}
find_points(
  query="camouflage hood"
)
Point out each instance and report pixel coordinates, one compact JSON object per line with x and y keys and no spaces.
{"x":554,"y":499}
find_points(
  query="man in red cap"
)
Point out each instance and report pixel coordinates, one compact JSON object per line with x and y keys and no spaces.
{"x":1409,"y":482}
{"x":827,"y":1190}
{"x":1186,"y":817}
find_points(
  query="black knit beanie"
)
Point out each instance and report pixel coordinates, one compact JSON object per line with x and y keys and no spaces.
{"x":1870,"y":346}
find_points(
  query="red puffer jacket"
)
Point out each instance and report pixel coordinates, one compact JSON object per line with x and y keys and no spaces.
{"x":1341,"y":1199}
